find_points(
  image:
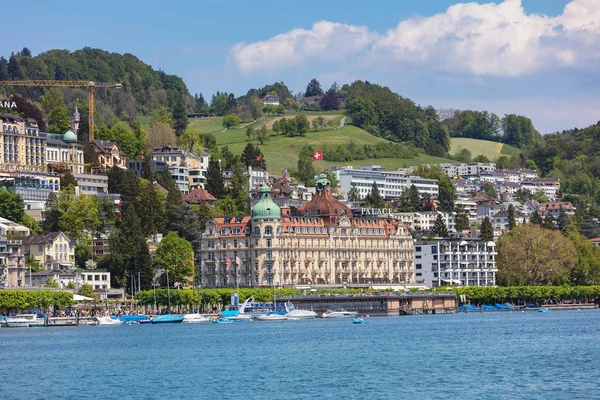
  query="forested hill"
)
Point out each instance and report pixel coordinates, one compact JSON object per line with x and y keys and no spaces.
{"x":144,"y":88}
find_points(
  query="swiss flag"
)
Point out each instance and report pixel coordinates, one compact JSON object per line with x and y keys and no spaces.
{"x":370,"y":154}
{"x":227,"y":260}
{"x":318,"y":155}
{"x":258,"y":157}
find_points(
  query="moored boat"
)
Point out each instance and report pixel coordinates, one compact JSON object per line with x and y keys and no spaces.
{"x":108,"y":321}
{"x":194,"y":318}
{"x":340,"y":313}
{"x":24,"y":321}
{"x":544,"y":309}
{"x":126,"y":319}
{"x":167,"y":319}
{"x":272,"y":316}
{"x":358,"y":320}
{"x":222,"y":321}
{"x":293,"y":313}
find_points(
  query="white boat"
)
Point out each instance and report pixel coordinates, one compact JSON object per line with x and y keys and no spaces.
{"x":194,"y":318}
{"x":340,"y":313}
{"x":24,"y":321}
{"x":272,"y":317}
{"x":108,"y":321}
{"x":293,"y":313}
{"x":239,"y":313}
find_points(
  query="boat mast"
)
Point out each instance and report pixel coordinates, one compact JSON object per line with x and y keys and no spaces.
{"x":168,"y":293}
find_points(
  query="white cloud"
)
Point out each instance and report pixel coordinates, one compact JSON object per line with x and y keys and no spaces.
{"x":326,"y":41}
{"x":482,"y":39}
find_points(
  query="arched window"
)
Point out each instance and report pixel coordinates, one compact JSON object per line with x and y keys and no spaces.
{"x":268,"y":230}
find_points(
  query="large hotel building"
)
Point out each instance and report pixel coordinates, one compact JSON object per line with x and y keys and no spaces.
{"x":320,"y":243}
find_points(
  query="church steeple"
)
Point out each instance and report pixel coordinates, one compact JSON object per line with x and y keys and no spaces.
{"x":75,"y":120}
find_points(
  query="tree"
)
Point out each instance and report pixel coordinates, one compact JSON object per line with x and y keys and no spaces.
{"x":161,"y":115}
{"x":249,"y":132}
{"x":204,"y":213}
{"x":88,"y":291}
{"x":3,"y":69}
{"x":184,"y":220}
{"x":511,"y":217}
{"x":481,"y":158}
{"x":313,"y":88}
{"x":253,"y":157}
{"x":461,"y":222}
{"x":77,"y":214}
{"x":83,"y":252}
{"x":486,"y":233}
{"x":67,"y":179}
{"x":330,"y":101}
{"x":446,"y":194}
{"x":58,"y":120}
{"x":226,"y":206}
{"x":531,"y":255}
{"x":439,"y":227}
{"x":51,"y":213}
{"x":31,"y":262}
{"x":536,"y":218}
{"x":587,"y":268}
{"x":238,"y":190}
{"x":231,"y":121}
{"x":374,"y":198}
{"x":176,"y":255}
{"x":306,"y":170}
{"x":14,"y":69}
{"x":160,"y":135}
{"x":261,"y":134}
{"x":255,"y":107}
{"x":302,"y":124}
{"x":540,"y":196}
{"x":214,"y":179}
{"x":519,"y":131}
{"x":152,"y":205}
{"x":563,"y":221}
{"x":190,"y":139}
{"x":174,"y":196}
{"x":29,"y":222}
{"x":180,"y":119}
{"x":549,"y":222}
{"x":353,"y":194}
{"x":414,"y":199}
{"x":12,"y":205}
{"x":489,"y":189}
{"x":209,"y":141}
{"x":318,"y":122}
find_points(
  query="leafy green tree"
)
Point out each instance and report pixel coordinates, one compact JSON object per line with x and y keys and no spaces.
{"x":190,"y":139}
{"x":88,"y":291}
{"x":161,"y":115}
{"x":511,"y":217}
{"x":186,"y":222}
{"x":214,"y":180}
{"x":302,"y":124}
{"x":231,"y":121}
{"x":51,"y":283}
{"x":306,"y":170}
{"x":439,"y":227}
{"x":204,"y":213}
{"x":58,"y":120}
{"x":261,"y":134}
{"x":489,"y":189}
{"x":51,"y":214}
{"x":227,"y":206}
{"x":180,"y":119}
{"x":31,"y":262}
{"x":587,"y":268}
{"x":548,"y":222}
{"x":53,"y":98}
{"x":12,"y":205}
{"x":176,"y":255}
{"x":83,"y":252}
{"x":486,"y":232}
{"x":67,"y":179}
{"x":540,"y":196}
{"x":313,"y":88}
{"x":532,"y":255}
{"x":481,"y":158}
{"x":519,"y":131}
{"x":536,"y":218}
{"x":160,"y":135}
{"x":249,"y":132}
{"x":32,"y":224}
{"x":363,"y":114}
{"x":563,"y":221}
{"x":77,"y":213}
{"x":461,"y":223}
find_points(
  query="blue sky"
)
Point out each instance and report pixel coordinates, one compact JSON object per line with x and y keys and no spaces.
{"x":534,"y":57}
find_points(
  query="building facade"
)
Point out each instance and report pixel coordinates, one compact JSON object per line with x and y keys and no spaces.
{"x":53,"y":251}
{"x":455,"y":262}
{"x":322,"y":244}
{"x":12,"y":258}
{"x":22,"y":145}
{"x":64,"y":152}
{"x":108,"y":155}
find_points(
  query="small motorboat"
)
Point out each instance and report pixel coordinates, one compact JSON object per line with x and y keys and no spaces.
{"x":194,"y":318}
{"x":358,"y":320}
{"x":222,"y":321}
{"x":340,"y":313}
{"x":166,"y":319}
{"x":144,"y":321}
{"x":544,"y":309}
{"x":272,"y":316}
{"x":24,"y":321}
{"x":108,"y":321}
{"x":128,"y":319}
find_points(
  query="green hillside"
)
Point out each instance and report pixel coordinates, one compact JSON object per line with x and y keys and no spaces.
{"x":491,"y":150}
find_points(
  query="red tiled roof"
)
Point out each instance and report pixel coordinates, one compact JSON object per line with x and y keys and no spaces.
{"x":198,"y":196}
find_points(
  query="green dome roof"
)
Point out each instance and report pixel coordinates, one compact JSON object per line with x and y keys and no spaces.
{"x":70,"y":136}
{"x":265,"y":207}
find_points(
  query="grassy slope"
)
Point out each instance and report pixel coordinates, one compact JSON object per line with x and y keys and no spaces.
{"x":491,"y":150}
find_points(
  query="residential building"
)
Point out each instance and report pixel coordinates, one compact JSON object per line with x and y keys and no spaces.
{"x":271,"y":99}
{"x":308,"y":100}
{"x":176,"y":157}
{"x":323,"y":243}
{"x":100,"y":246}
{"x":500,"y":221}
{"x":595,"y":241}
{"x":22,"y":145}
{"x":553,"y":208}
{"x":156,"y":167}
{"x":461,"y":262}
{"x":198,"y":196}
{"x":63,"y":153}
{"x":91,"y":184}
{"x":98,"y":279}
{"x":256,"y":177}
{"x":181,"y":176}
{"x":549,"y":186}
{"x":53,"y":251}
{"x":12,"y":258}
{"x":471,"y":169}
{"x":391,"y":184}
{"x":108,"y":155}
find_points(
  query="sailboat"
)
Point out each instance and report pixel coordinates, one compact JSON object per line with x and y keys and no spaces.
{"x":195,"y":318}
{"x":238,"y":313}
{"x":167,"y":318}
{"x":273,"y":316}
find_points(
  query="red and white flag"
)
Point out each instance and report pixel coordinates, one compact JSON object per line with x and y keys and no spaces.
{"x":318,"y":155}
{"x":258,"y":157}
{"x":227,"y":260}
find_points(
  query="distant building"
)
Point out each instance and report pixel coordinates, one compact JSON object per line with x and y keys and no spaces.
{"x":108,"y":155}
{"x":197,"y":165}
{"x":308,"y":100}
{"x":256,"y":177}
{"x":271,"y":99}
{"x":472,"y":169}
{"x":549,"y":186}
{"x":22,"y":145}
{"x":553,"y":208}
{"x":595,"y":241}
{"x":100,"y":246}
{"x":91,"y":184}
{"x":12,"y":258}
{"x":52,"y":251}
{"x":198,"y":196}
{"x":63,"y":152}
{"x":455,"y":262}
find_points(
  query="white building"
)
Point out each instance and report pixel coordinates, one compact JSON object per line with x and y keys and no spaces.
{"x":391,"y":184}
{"x":91,"y":184}
{"x":256,"y":177}
{"x":455,"y":262}
{"x":12,"y":257}
{"x":181,"y":176}
{"x":550,"y":186}
{"x":472,"y":169}
{"x":271,"y":99}
{"x":64,"y":150}
{"x":196,"y":165}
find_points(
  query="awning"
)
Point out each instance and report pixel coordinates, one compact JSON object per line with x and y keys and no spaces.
{"x":452,"y":281}
{"x":78,"y":297}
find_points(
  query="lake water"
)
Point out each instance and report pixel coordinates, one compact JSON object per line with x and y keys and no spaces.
{"x":475,"y":356}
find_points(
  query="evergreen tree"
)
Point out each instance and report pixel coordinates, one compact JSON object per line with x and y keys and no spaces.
{"x":511,"y":217}
{"x":238,"y":190}
{"x":439,"y":227}
{"x":353,"y":194}
{"x":306,"y":169}
{"x":253,"y":157}
{"x":51,"y":214}
{"x":3,"y":69}
{"x":414,"y":198}
{"x":486,"y":232}
{"x":174,"y":196}
{"x":129,"y":187}
{"x":214,"y":180}
{"x":446,"y":195}
{"x":563,"y":220}
{"x":14,"y":69}
{"x":180,"y":119}
{"x":147,"y":172}
{"x":461,"y":222}
{"x":549,"y":222}
{"x":535,"y":218}
{"x":151,"y":205}
{"x":115,"y":180}
{"x":313,"y":88}
{"x":374,"y":198}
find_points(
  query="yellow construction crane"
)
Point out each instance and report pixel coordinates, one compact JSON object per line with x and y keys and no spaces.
{"x":82,"y":84}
